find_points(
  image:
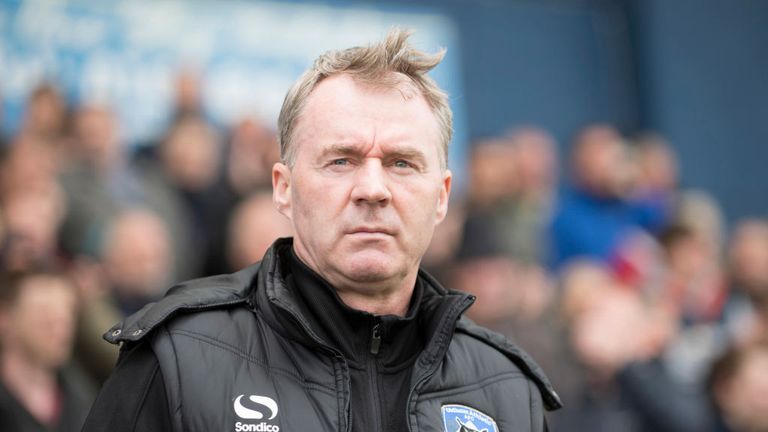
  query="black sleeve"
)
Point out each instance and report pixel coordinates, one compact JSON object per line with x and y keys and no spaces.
{"x":133,"y":399}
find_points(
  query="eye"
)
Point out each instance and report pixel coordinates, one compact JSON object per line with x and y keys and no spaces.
{"x":339,"y":164}
{"x":401,"y":163}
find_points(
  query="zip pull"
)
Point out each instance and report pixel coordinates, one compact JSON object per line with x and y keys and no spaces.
{"x":375,"y":339}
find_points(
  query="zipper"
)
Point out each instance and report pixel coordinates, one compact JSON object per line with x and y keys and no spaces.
{"x":373,"y":377}
{"x":375,"y":339}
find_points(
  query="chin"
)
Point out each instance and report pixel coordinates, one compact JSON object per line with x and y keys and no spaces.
{"x":371,"y":270}
{"x":55,"y":360}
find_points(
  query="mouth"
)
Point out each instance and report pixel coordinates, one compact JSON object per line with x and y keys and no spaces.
{"x":371,"y":231}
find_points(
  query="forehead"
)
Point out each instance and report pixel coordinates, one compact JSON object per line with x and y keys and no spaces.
{"x":342,"y":110}
{"x":45,"y":289}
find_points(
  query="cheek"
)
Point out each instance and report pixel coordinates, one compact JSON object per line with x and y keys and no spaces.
{"x":303,"y":200}
{"x":420,"y":206}
{"x":315,"y":210}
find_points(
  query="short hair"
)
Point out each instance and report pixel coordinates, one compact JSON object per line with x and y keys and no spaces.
{"x":386,"y":63}
{"x":11,"y":282}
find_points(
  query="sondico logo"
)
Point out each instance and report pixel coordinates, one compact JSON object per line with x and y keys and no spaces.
{"x":251,"y":414}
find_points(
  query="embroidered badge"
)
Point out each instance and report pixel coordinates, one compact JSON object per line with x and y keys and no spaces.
{"x":461,"y":418}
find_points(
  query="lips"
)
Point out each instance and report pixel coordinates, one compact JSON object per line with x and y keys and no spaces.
{"x":372,"y":230}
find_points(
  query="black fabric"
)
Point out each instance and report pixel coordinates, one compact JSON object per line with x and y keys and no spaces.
{"x":232,"y":344}
{"x":76,"y":397}
{"x":133,"y":399}
{"x":380,"y":380}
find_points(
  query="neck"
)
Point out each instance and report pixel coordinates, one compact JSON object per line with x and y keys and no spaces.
{"x":33,"y":384}
{"x":390,"y":297}
{"x":21,"y":374}
{"x":379,"y":300}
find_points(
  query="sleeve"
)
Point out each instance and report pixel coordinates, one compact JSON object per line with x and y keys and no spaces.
{"x":133,"y":399}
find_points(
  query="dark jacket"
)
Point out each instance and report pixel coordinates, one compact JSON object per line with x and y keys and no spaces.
{"x":76,"y":393}
{"x":236,"y":354}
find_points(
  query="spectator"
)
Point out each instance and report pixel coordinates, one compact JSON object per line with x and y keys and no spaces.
{"x":536,"y":162}
{"x":523,"y":218}
{"x":28,"y":166}
{"x":190,"y":165}
{"x":137,"y":259}
{"x":620,"y":338}
{"x":594,"y":217}
{"x":254,"y":226}
{"x":700,"y":212}
{"x":45,"y":117}
{"x":191,"y":155}
{"x":188,"y":100}
{"x":33,"y":204}
{"x":512,"y":185}
{"x":695,"y":289}
{"x":32,"y":220}
{"x":102,"y":181}
{"x":136,"y":268}
{"x":738,"y":385}
{"x":694,"y":281}
{"x":509,"y":294}
{"x":747,"y":309}
{"x":249,"y":158}
{"x":490,"y":178}
{"x":657,"y":169}
{"x":38,"y":392}
{"x":594,"y":401}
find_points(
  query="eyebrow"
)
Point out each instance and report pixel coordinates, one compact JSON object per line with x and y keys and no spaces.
{"x":395,"y":153}
{"x":409,"y":154}
{"x":340,"y":149}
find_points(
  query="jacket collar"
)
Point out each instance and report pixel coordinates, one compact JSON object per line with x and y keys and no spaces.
{"x":439,"y":310}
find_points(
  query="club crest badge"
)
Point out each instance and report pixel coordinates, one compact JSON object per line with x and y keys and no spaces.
{"x":461,"y":418}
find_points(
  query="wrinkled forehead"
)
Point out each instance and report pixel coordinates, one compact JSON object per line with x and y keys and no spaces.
{"x":379,"y":83}
{"x":339,"y":92}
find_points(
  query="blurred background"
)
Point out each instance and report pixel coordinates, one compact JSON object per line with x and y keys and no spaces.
{"x":610,"y":208}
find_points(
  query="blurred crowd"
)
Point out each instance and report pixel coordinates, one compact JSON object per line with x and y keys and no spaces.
{"x":110,"y":227}
{"x":647,"y":312}
{"x":644,"y":309}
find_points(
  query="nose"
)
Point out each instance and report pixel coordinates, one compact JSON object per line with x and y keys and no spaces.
{"x":371,"y":184}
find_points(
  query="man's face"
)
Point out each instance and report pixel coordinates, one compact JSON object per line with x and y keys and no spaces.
{"x":367,"y":189}
{"x":42,"y":321}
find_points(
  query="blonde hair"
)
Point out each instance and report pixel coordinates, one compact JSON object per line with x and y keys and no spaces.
{"x":388,"y":64}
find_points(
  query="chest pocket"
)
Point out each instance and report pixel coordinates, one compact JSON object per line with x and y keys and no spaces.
{"x":500,"y":403}
{"x":219,"y":387}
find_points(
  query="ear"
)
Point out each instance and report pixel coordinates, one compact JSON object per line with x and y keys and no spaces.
{"x":442,"y":198}
{"x":281,"y":189}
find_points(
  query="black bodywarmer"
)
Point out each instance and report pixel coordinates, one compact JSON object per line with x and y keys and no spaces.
{"x":245,"y":352}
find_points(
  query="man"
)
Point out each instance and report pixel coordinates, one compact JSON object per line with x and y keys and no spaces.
{"x":38,"y":313}
{"x":596,"y":217}
{"x":335,"y":329}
